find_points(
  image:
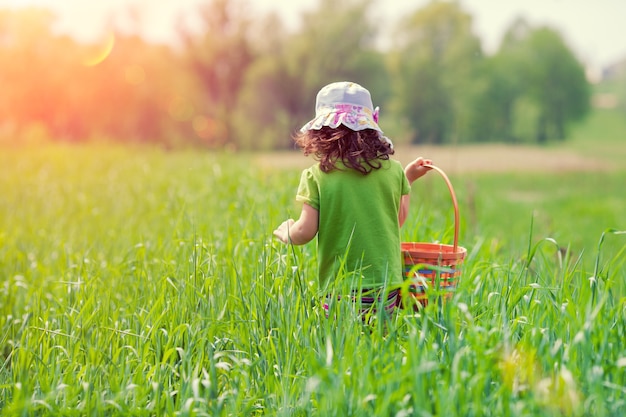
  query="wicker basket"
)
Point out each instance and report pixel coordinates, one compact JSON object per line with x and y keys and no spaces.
{"x":433,"y":265}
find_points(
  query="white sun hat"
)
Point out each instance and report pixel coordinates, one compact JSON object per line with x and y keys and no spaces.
{"x":344,"y":103}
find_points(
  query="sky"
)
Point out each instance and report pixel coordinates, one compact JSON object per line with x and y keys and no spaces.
{"x":594,"y":29}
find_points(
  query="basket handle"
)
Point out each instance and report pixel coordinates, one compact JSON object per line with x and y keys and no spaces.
{"x":454,"y":202}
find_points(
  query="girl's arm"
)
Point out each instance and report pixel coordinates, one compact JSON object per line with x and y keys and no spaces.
{"x":405,"y":202}
{"x":301,"y":231}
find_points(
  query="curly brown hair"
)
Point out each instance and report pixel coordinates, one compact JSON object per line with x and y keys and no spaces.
{"x":360,"y":150}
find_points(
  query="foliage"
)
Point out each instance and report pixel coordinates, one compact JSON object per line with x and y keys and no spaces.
{"x":219,"y":58}
{"x":137,"y":281}
{"x":501,"y":91}
{"x":556,"y":84}
{"x":282,"y":84}
{"x":433,"y":65}
{"x":68,"y":91}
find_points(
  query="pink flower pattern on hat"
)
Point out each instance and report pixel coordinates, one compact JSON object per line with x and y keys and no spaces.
{"x":349,"y":112}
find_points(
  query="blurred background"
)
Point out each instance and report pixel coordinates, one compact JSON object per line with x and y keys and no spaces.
{"x":243,"y":74}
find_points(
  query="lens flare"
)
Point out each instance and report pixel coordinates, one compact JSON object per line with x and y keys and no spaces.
{"x":100,"y":52}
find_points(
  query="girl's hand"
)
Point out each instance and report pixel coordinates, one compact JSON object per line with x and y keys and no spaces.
{"x":417,"y":168}
{"x":282,"y":231}
{"x":301,"y":231}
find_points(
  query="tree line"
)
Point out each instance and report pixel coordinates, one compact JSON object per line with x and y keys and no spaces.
{"x":247,"y":82}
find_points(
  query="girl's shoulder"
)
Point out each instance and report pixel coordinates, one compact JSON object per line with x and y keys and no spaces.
{"x":392,"y":164}
{"x":315,"y":170}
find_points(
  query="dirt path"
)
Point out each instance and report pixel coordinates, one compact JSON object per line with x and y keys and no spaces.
{"x":470,"y":158}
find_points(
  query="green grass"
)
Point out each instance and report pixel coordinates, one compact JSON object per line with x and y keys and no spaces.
{"x":141,"y":282}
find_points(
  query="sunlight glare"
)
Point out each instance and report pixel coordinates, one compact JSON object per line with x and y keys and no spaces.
{"x":99,"y":53}
{"x":181,"y":109}
{"x":135,"y":74}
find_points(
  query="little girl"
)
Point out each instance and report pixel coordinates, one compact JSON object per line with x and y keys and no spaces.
{"x":355,"y":199}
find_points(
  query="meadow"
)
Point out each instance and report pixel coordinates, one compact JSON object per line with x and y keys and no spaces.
{"x":143,"y":282}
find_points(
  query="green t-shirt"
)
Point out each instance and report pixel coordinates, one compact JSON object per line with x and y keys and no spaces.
{"x":358,"y":223}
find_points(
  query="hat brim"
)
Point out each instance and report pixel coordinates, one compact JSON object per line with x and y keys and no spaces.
{"x":335,"y":118}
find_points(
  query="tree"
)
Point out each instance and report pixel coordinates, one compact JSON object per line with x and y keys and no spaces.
{"x":431,"y":67}
{"x":65,"y":90}
{"x":501,"y":88}
{"x":129,"y":95}
{"x":531,"y":89}
{"x":556,"y":84}
{"x":220,"y":57}
{"x":281,"y":85}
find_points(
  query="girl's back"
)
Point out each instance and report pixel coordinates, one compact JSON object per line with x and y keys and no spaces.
{"x":358,"y":222}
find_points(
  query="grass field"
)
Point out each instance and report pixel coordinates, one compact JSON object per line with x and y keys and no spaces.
{"x":142,"y":282}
